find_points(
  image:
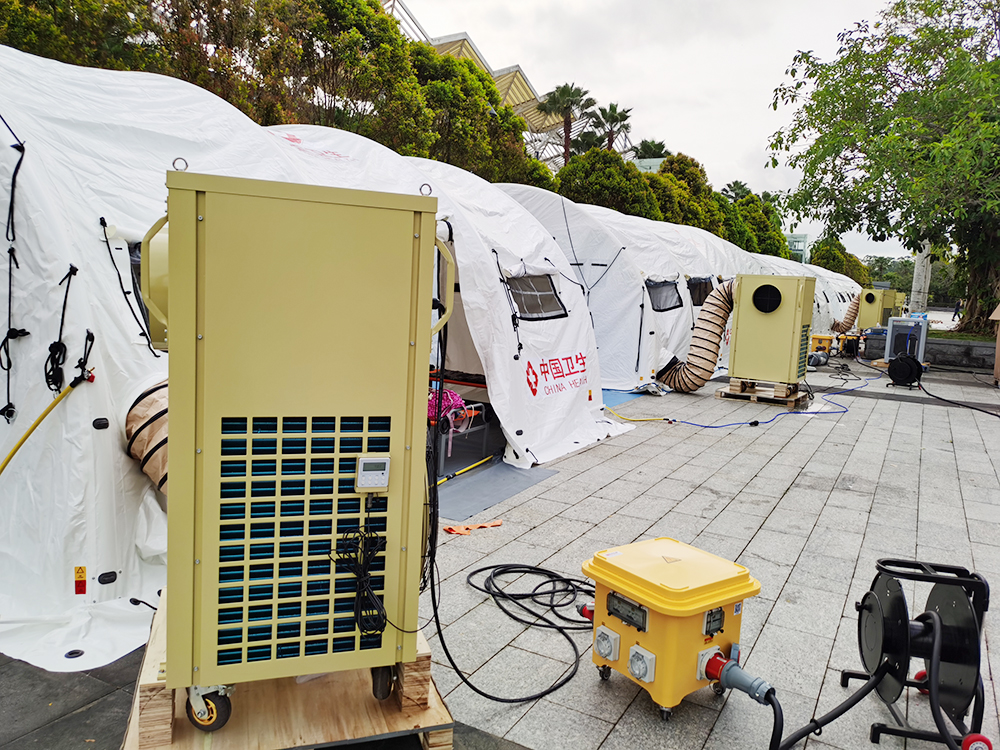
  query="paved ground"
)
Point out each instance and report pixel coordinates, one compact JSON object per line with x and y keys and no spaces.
{"x":807,"y":503}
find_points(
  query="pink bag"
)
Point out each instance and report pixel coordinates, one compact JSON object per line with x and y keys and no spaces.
{"x":451,"y":401}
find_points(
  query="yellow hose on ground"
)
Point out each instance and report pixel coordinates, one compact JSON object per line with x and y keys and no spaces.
{"x":848,"y":322}
{"x":42,"y":416}
{"x":704,"y":352}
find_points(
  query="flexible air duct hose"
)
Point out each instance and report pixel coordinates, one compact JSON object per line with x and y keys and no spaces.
{"x":146,"y":432}
{"x":852,"y":314}
{"x":704,"y":352}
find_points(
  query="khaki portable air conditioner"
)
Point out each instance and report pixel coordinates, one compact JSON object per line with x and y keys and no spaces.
{"x":772,"y":316}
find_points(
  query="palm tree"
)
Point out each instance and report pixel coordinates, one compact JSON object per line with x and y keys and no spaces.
{"x":587,"y":140}
{"x":736,"y":190}
{"x":650,"y":150}
{"x":567,"y":101}
{"x":612,"y":121}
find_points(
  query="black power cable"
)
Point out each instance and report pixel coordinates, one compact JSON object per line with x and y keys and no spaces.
{"x":142,"y":328}
{"x":920,"y":385}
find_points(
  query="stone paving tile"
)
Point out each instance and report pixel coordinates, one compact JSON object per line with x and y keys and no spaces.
{"x":551,"y":726}
{"x":680,"y":526}
{"x":556,"y":533}
{"x":533,"y":513}
{"x":642,"y":727}
{"x":744,"y":723}
{"x":780,"y":653}
{"x":773,"y":545}
{"x":33,"y":698}
{"x":807,"y":609}
{"x":725,"y":547}
{"x":593,"y":509}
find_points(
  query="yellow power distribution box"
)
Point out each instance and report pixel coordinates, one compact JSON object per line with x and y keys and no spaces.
{"x":299,"y":331}
{"x":662,"y":609}
{"x":772,"y":316}
{"x":876,"y":307}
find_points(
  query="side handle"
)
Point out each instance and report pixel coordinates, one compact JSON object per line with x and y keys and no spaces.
{"x":449,"y":292}
{"x":144,"y":282}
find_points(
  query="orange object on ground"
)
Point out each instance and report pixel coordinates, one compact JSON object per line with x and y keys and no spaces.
{"x":464,"y":530}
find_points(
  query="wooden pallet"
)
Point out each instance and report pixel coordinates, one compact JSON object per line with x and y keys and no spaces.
{"x":770,"y":393}
{"x":275,"y":714}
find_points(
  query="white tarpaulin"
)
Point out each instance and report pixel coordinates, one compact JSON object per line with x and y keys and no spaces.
{"x":634,"y":339}
{"x":81,"y":529}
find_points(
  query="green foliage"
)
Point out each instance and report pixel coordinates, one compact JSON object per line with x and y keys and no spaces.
{"x":612,"y":122}
{"x":689,"y":171}
{"x":897,"y":271}
{"x":734,"y":228}
{"x":899,"y":135}
{"x":587,"y":140}
{"x":650,"y":150}
{"x":671,"y":195}
{"x":568,"y":101}
{"x":474,"y":130}
{"x":363,"y":80}
{"x":736,"y":190}
{"x":697,"y":205}
{"x":110,"y":34}
{"x":603,"y":178}
{"x":830,"y":253}
{"x":770,"y":240}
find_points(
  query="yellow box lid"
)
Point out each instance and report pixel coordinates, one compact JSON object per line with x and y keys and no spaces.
{"x":671,"y":577}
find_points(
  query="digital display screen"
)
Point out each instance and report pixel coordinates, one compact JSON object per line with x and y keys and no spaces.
{"x":373,"y":466}
{"x":627,"y":611}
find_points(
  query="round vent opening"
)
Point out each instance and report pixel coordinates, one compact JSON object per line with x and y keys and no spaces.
{"x":766,"y":298}
{"x":869,"y":298}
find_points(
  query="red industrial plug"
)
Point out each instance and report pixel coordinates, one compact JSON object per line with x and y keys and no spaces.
{"x":713,"y":668}
{"x":586,"y":609}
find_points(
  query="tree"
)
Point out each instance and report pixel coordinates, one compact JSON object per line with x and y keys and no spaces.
{"x":650,"y":150}
{"x":899,"y":135}
{"x":671,"y":195}
{"x":736,"y":190}
{"x":568,"y":101}
{"x":603,"y":178}
{"x":734,"y":228}
{"x":363,"y":80}
{"x":587,"y":140}
{"x":475,"y":131}
{"x":612,"y":122}
{"x":698,"y":208}
{"x":770,"y":240}
{"x":104,"y":34}
{"x":830,"y":253}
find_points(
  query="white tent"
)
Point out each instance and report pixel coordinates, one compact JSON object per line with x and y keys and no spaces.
{"x":636,"y":334}
{"x":81,"y":528}
{"x":542,"y":376}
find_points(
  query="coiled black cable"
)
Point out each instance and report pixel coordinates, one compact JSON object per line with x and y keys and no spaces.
{"x":6,"y":364}
{"x":555,"y":592}
{"x":54,"y":377}
{"x":356,"y":551}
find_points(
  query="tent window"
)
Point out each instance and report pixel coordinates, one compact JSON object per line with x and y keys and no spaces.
{"x":700,"y":287}
{"x":663,"y":295}
{"x":536,"y":298}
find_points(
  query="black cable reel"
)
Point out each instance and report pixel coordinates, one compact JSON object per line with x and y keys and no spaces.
{"x":947,"y":636}
{"x":905,"y":369}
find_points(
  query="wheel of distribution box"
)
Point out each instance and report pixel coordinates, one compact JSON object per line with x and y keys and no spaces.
{"x":220,"y":708}
{"x":976,"y":742}
{"x":718,"y":689}
{"x":604,"y":671}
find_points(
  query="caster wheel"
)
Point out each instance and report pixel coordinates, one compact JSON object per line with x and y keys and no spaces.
{"x":604,"y":671}
{"x":220,"y":708}
{"x":665,"y":713}
{"x":718,"y":689}
{"x":381,"y":682}
{"x":921,"y":676}
{"x":976,"y":742}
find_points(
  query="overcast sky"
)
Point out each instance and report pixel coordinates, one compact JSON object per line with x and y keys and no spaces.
{"x":698,"y":74}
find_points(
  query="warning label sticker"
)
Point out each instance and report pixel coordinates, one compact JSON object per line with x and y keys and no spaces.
{"x":80,"y":573}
